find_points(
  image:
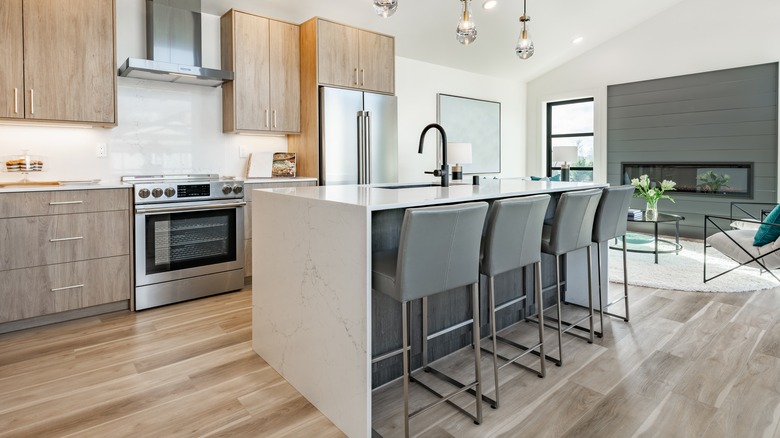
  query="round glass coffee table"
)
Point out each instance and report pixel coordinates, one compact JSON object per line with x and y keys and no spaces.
{"x":636,"y":242}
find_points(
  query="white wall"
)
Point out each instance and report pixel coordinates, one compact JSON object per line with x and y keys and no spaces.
{"x":694,"y":36}
{"x":417,"y":84}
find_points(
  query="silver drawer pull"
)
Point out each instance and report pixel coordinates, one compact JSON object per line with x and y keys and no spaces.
{"x":66,"y":202}
{"x":57,"y":289}
{"x":66,"y":239}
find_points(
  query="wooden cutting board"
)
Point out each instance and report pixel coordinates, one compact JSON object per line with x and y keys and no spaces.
{"x":29,"y":183}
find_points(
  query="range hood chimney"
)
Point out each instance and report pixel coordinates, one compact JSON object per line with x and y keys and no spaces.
{"x":173,"y":44}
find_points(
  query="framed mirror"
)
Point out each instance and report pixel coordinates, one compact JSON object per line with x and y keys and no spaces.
{"x":473,"y":121}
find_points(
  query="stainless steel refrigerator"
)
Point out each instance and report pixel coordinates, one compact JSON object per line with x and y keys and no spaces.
{"x":358,"y":137}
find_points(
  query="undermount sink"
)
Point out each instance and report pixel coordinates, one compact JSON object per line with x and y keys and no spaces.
{"x":409,"y":186}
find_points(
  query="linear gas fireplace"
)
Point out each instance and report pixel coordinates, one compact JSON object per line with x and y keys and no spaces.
{"x":730,"y":179}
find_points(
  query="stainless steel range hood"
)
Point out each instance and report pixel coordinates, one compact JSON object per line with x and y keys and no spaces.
{"x":173,"y":44}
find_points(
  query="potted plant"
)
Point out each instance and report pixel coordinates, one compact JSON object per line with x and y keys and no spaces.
{"x":652,"y":192}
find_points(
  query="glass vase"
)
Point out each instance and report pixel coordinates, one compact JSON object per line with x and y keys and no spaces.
{"x":651,"y":210}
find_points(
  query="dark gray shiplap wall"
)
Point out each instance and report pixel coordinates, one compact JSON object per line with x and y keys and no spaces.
{"x":720,"y":116}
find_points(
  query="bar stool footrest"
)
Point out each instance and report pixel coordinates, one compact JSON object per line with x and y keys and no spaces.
{"x":462,"y":388}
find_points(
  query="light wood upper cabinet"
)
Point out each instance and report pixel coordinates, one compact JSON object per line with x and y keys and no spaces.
{"x":337,"y":54}
{"x":355,"y":58}
{"x":69,"y":61}
{"x":265,"y":56}
{"x":11,"y":54}
{"x":285,"y":77}
{"x":377,"y":62}
{"x":252,"y":74}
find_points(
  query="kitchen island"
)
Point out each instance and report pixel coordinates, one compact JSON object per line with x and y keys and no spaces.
{"x":313,"y":311}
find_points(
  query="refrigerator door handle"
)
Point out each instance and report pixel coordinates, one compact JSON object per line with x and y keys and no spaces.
{"x":368,"y":146}
{"x":360,"y":149}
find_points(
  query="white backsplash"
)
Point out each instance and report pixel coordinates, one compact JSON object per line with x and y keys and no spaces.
{"x":163,"y":129}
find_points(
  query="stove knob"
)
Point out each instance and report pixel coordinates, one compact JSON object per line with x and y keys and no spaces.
{"x":226,"y":189}
{"x":237,"y":188}
{"x":157,"y":192}
{"x":144,"y":193}
{"x":169,"y":192}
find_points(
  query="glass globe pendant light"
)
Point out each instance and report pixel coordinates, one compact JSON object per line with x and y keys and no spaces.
{"x":385,"y":8}
{"x":525,"y":47}
{"x":466,"y":32}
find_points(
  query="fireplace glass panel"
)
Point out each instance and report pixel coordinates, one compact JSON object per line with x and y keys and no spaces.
{"x":704,"y":178}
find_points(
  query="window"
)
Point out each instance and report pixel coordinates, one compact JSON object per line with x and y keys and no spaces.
{"x":570,"y":123}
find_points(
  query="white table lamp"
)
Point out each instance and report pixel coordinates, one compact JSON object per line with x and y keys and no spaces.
{"x":457,"y":154}
{"x":564,"y":154}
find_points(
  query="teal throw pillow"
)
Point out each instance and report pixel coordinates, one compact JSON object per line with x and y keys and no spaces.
{"x":535,"y":178}
{"x":556,"y":177}
{"x":767,"y":233}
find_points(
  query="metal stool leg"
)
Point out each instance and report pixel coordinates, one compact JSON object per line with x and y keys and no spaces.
{"x":625,"y":277}
{"x":601,"y":300}
{"x":475,"y":336}
{"x":424,"y":332}
{"x":558,"y":306}
{"x":405,"y":334}
{"x":590,"y":291}
{"x":492,"y":305}
{"x":539,"y":306}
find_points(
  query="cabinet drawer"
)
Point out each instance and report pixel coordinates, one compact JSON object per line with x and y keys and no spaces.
{"x":63,"y":202}
{"x":56,"y":288}
{"x":42,"y":240}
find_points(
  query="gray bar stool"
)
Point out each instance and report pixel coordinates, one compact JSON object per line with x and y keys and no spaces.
{"x":438,"y":251}
{"x":511,"y":241}
{"x":610,"y":223}
{"x":571,"y":229}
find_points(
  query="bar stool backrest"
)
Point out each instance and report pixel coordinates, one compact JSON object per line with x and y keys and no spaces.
{"x":612,"y":214}
{"x":439,"y":249}
{"x":572,"y":225}
{"x":514,"y":234}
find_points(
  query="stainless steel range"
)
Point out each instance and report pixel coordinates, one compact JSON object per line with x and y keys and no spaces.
{"x":189,"y":237}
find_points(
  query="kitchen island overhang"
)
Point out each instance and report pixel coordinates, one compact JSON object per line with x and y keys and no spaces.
{"x":312,"y":312}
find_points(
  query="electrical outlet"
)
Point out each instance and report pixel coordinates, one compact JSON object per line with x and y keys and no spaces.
{"x":101,"y":150}
{"x":242,"y":153}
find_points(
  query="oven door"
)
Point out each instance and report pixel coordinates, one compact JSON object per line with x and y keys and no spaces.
{"x":175,"y":241}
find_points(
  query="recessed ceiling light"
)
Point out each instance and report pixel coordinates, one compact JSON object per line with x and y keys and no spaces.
{"x":577,"y":40}
{"x":489,"y":4}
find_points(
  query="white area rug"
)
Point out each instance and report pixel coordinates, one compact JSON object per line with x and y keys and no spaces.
{"x":684,"y":271}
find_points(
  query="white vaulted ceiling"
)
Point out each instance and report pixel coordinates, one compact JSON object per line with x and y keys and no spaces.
{"x":425,"y":29}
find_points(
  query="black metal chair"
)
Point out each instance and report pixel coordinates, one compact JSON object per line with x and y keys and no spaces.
{"x":737,"y":244}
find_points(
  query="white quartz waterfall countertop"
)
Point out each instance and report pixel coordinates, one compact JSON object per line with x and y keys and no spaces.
{"x":379,"y":197}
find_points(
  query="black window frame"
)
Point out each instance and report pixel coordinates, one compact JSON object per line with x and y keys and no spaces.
{"x":551,"y":136}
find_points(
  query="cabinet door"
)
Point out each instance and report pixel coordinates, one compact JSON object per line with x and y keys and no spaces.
{"x":285,"y":77}
{"x":252,"y":73}
{"x":337,"y":53}
{"x":377,"y":62}
{"x":11,"y":54}
{"x":70,"y":66}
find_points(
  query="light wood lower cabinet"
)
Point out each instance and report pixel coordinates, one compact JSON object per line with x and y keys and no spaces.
{"x":43,"y":240}
{"x":31,"y":292}
{"x":24,"y":204}
{"x":63,"y":250}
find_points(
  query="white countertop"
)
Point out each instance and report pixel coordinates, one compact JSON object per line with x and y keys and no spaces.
{"x":277,"y":179}
{"x":374,"y":197}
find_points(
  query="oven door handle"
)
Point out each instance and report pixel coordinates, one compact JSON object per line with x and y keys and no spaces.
{"x":180,"y":208}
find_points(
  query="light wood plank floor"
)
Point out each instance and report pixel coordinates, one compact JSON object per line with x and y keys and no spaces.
{"x":687,"y":365}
